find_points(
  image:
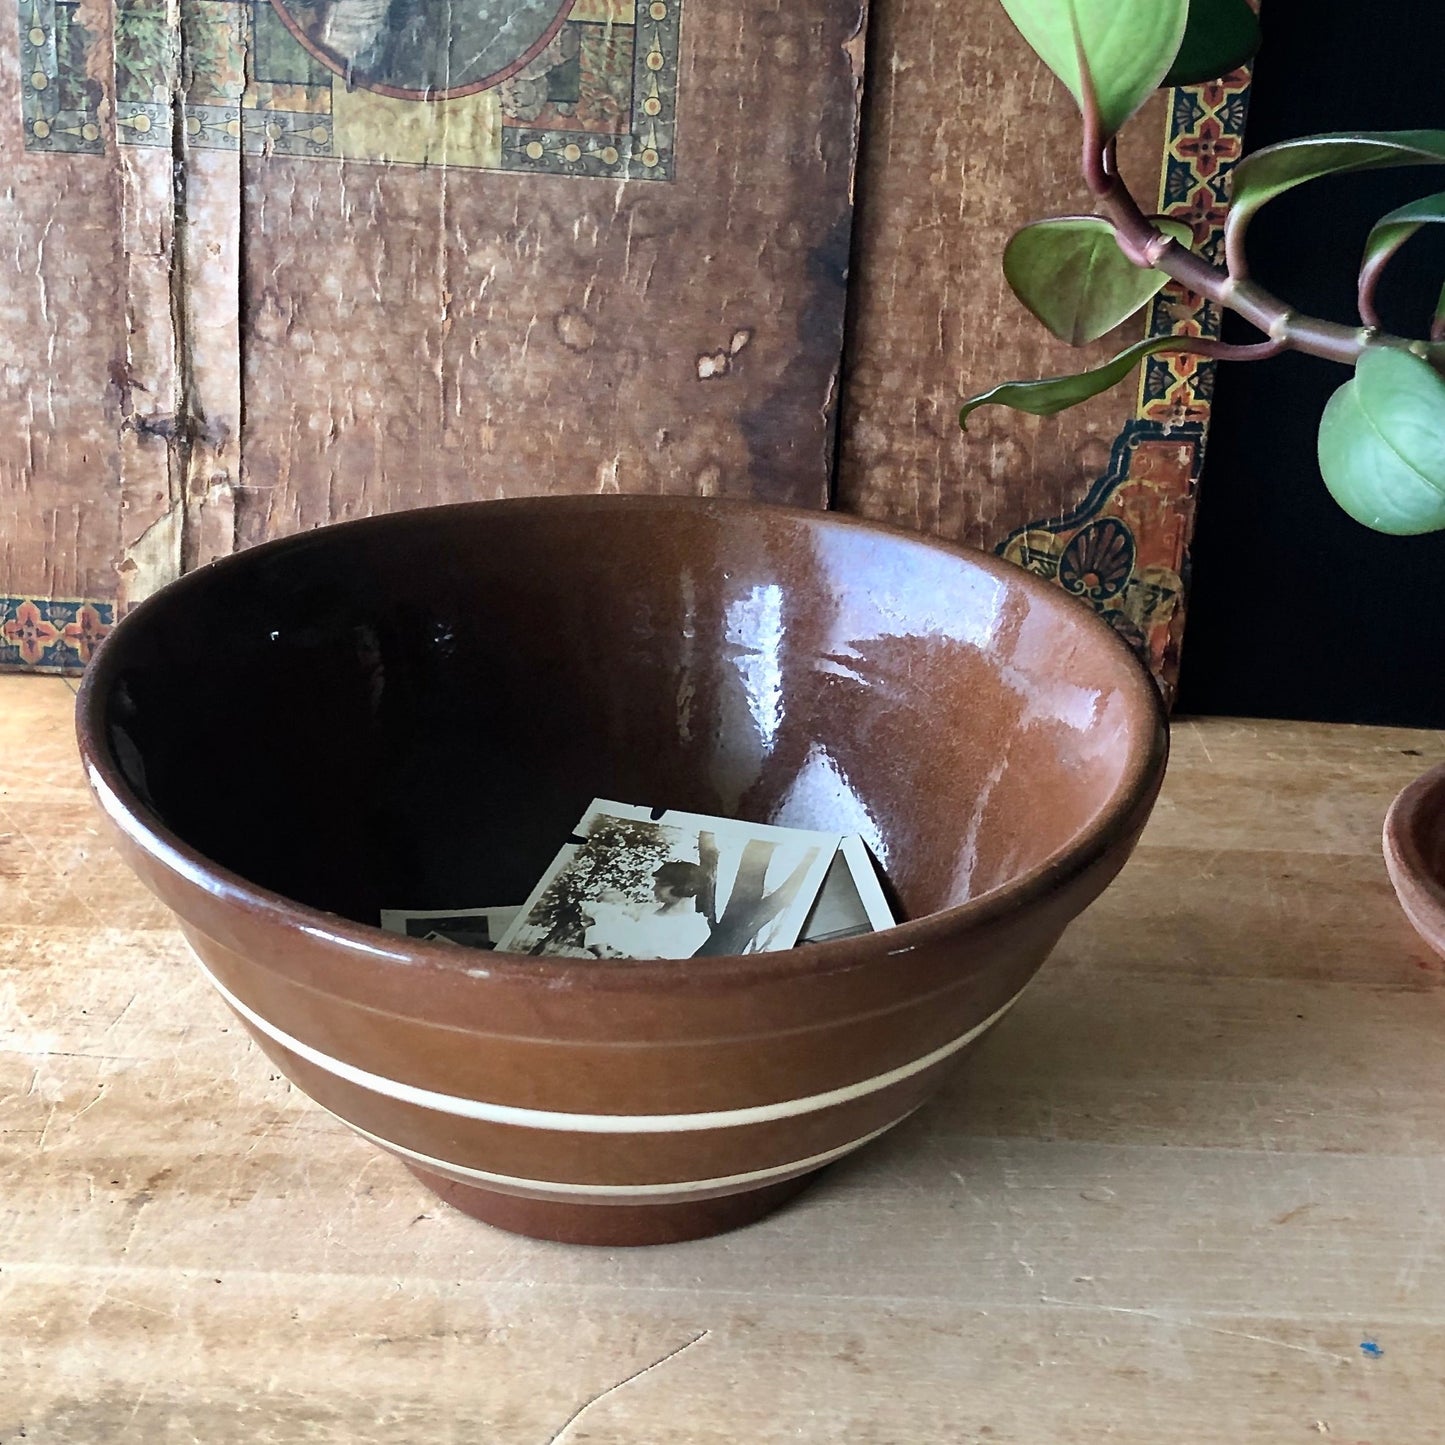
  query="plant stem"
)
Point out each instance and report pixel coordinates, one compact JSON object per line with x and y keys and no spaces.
{"x":1143,"y":243}
{"x":1099,"y":151}
{"x":1235,"y":224}
{"x":1370,"y":274}
{"x":1228,"y":351}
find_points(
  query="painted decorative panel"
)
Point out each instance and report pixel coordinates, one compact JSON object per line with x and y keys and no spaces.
{"x":283,"y":262}
{"x":279,"y":263}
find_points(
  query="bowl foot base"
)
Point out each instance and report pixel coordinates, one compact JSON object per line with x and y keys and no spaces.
{"x":612,"y":1224}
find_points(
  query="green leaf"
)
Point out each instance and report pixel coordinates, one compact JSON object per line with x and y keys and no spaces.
{"x":1127,"y":47}
{"x":1278,"y":168}
{"x":1382,"y":443}
{"x":1392,"y":231}
{"x":1221,"y":36}
{"x":1054,"y":394}
{"x":1072,"y":275}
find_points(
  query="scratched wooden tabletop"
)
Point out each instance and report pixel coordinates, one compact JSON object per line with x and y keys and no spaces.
{"x":1190,"y":1190}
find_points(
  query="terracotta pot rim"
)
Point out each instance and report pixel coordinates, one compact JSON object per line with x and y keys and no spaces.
{"x":1404,"y":857}
{"x":1124,"y":809}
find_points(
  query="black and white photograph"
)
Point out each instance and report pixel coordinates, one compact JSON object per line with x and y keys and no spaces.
{"x":471,"y":927}
{"x":851,"y":901}
{"x":634,"y":883}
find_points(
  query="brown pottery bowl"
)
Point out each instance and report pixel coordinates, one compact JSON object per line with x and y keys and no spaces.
{"x":415,"y":710}
{"x":1415,"y":854}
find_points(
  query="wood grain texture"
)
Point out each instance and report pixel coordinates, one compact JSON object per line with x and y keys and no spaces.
{"x":968,"y":137}
{"x":1195,"y":1170}
{"x":211,"y":342}
{"x":417,"y":335}
{"x":79,"y":472}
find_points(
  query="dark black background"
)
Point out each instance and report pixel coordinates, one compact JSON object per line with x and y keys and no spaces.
{"x":1296,"y":610}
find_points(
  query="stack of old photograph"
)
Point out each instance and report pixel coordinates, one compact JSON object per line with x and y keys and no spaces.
{"x":636,"y":882}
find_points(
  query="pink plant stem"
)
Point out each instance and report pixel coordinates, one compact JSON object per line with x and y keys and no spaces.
{"x":1227,"y":350}
{"x":1098,"y":148}
{"x":1144,"y":244}
{"x":1370,"y":274}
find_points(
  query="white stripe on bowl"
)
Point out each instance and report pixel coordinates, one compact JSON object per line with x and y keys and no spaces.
{"x":465,"y":1174}
{"x":524,"y":1118}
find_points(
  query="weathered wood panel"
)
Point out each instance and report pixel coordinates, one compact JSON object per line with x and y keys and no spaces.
{"x":321,"y":267}
{"x":276,"y":264}
{"x":85,"y":364}
{"x":968,"y":137}
{"x":416,"y":334}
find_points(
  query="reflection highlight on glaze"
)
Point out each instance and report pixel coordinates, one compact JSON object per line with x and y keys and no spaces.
{"x":1037,"y":655}
{"x":821,"y":796}
{"x":687,"y":662}
{"x":968,"y":607}
{"x":966,"y":863}
{"x":754,"y":627}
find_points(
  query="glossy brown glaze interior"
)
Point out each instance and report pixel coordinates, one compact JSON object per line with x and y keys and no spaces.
{"x":415,"y":710}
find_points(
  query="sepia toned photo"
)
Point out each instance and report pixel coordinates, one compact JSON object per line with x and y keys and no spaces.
{"x":634,"y":884}
{"x":851,"y":901}
{"x":471,"y":927}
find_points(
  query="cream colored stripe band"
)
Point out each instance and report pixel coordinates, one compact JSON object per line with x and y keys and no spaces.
{"x":465,"y":1174}
{"x":521,"y":1118}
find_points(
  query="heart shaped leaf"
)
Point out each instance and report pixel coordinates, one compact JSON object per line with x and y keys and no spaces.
{"x":1126,"y":47}
{"x":1054,"y":394}
{"x":1072,"y":275}
{"x":1221,"y":36}
{"x":1382,"y":443}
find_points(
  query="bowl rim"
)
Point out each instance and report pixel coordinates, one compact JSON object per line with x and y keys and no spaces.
{"x":1405,"y":859}
{"x":1133,"y":795}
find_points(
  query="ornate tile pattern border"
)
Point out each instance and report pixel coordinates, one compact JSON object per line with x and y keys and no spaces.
{"x":1124,"y":549}
{"x":51,"y":635}
{"x":59,"y":101}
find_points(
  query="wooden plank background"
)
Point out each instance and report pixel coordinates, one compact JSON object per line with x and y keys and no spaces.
{"x":86,"y":361}
{"x":203,"y":355}
{"x":262,"y":340}
{"x":432,"y":334}
{"x":967,"y":138}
